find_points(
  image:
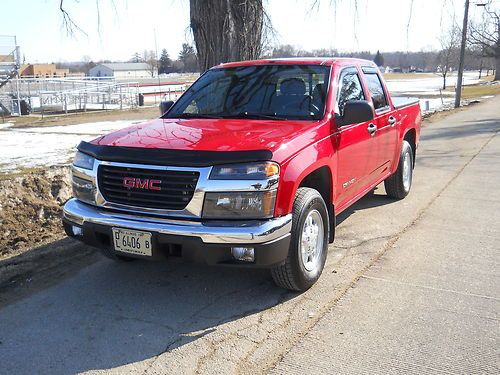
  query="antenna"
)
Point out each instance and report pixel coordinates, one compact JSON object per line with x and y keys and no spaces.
{"x":157,"y":65}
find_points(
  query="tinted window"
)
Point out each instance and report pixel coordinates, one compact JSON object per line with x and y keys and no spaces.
{"x":376,"y":90}
{"x":350,"y":89}
{"x":261,"y":91}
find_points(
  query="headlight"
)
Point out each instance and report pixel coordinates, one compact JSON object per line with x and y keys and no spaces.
{"x":239,"y":205}
{"x":83,"y":161}
{"x":247,"y":171}
{"x":84,"y":190}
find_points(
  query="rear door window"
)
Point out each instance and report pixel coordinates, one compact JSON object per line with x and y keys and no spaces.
{"x":376,"y":91}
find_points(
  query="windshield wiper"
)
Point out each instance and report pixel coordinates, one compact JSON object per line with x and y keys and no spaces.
{"x":196,"y":115}
{"x":256,"y":116}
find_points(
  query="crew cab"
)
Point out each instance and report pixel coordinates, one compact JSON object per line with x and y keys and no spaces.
{"x":249,"y":167}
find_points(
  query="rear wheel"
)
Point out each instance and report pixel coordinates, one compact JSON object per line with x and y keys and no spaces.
{"x":398,"y":185}
{"x":309,"y":243}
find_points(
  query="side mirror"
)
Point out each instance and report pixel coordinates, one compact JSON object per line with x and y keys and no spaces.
{"x":356,"y":111}
{"x":165,"y":106}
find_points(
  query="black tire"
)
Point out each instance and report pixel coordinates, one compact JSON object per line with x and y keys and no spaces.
{"x":108,"y":253}
{"x":292,"y":274}
{"x":395,"y":185}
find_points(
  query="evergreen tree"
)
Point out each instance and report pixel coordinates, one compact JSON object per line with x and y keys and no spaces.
{"x":136,"y":58}
{"x":379,"y":59}
{"x":188,"y":58}
{"x":165,"y":64}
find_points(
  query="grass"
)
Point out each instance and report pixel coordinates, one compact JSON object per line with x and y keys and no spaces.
{"x":477,"y":91}
{"x":81,"y":117}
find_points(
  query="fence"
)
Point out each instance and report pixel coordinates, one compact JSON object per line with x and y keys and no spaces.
{"x":80,"y":94}
{"x":64,"y":95}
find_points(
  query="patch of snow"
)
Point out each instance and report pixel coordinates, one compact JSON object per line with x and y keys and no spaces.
{"x":428,"y":86}
{"x":51,"y":145}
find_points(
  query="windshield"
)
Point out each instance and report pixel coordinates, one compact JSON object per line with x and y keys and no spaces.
{"x":278,"y":92}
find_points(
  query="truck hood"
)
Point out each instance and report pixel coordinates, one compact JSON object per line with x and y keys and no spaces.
{"x":210,"y":135}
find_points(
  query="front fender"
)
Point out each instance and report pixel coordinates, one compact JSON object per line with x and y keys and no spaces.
{"x":299,"y":167}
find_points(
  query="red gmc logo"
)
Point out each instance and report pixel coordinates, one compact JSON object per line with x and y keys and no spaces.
{"x":144,"y":183}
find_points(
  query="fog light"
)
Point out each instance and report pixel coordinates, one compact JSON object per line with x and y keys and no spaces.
{"x":77,"y":231}
{"x":245,"y":254}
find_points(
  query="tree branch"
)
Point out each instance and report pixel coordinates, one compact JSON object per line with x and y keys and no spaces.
{"x":68,"y":22}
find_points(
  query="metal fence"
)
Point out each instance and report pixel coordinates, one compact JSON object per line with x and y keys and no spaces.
{"x":64,"y":95}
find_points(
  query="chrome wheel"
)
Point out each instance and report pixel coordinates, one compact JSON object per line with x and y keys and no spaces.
{"x":407,"y":171}
{"x":311,"y":240}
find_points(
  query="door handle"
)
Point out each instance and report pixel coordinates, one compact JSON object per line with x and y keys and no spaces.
{"x":392,"y":120}
{"x":372,"y":129}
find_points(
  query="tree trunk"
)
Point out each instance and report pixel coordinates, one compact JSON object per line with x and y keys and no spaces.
{"x":444,"y":81}
{"x":226,"y":30}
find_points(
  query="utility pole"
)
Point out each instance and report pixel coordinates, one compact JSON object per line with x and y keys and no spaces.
{"x":458,"y":92}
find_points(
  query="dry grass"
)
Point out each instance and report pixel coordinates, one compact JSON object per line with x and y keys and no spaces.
{"x":82,"y":117}
{"x":477,"y":91}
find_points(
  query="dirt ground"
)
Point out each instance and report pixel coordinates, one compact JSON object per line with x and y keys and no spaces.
{"x":30,"y":209}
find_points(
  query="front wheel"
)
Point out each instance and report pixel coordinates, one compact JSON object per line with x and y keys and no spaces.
{"x":309,"y":243}
{"x":398,"y":185}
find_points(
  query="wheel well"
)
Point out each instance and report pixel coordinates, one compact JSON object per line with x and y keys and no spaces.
{"x":321,"y":180}
{"x":410,"y":137}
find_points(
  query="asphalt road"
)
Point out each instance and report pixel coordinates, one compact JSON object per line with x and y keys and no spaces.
{"x":409,"y":287}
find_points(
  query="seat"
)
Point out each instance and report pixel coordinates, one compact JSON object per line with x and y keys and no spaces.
{"x":292,"y":95}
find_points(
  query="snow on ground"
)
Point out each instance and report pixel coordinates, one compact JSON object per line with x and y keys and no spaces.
{"x":428,"y":89}
{"x":49,"y":145}
{"x":429,"y":86}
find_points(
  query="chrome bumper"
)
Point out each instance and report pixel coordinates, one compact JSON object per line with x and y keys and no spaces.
{"x":241,"y":232}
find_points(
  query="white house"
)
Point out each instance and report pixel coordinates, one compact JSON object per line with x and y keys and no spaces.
{"x":122,"y":70}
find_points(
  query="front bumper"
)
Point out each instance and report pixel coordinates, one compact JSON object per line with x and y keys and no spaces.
{"x":206,"y":241}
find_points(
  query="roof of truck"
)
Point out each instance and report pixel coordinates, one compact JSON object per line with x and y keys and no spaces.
{"x":301,"y":60}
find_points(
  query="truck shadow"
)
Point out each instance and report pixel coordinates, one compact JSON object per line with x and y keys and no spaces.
{"x":376,"y":199}
{"x":113,"y":314}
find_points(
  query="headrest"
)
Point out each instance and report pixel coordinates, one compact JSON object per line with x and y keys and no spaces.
{"x":293,"y":86}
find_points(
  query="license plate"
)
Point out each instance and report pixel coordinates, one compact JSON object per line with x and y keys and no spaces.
{"x":132,"y":241}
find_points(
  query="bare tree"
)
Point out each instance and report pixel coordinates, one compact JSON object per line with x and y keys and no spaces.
{"x":486,"y":36}
{"x":149,"y":57}
{"x":448,"y":56}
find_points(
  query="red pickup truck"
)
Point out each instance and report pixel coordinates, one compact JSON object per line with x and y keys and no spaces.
{"x":248,"y":168}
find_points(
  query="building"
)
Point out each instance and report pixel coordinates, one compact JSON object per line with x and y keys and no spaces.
{"x":42,"y":70}
{"x":122,"y":70}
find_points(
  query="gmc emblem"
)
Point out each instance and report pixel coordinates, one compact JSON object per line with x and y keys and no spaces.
{"x":144,"y":183}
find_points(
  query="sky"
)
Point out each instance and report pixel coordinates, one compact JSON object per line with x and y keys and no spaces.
{"x":129,"y":26}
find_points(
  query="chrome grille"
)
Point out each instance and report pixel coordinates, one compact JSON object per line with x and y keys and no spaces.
{"x":176,"y":187}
